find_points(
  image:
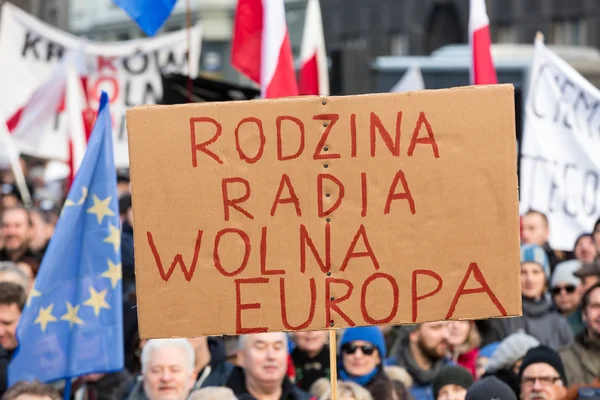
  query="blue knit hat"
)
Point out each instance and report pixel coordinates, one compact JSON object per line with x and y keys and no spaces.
{"x":371,"y":334}
{"x":535,"y":254}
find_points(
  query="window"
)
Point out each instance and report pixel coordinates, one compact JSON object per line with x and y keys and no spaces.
{"x":506,"y":34}
{"x":399,"y":44}
{"x":569,"y":32}
{"x":123,"y":36}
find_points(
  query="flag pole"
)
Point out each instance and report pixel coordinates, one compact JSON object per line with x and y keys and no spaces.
{"x":333,"y":363}
{"x":188,"y":23}
{"x":67,"y":391}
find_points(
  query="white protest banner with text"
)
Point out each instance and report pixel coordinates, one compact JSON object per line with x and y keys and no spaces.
{"x":128,"y":71}
{"x":560,"y":160}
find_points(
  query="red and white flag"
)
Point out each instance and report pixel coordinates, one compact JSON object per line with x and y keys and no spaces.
{"x":261,"y":47}
{"x":482,"y":66}
{"x":314,"y":72}
{"x":65,"y":88}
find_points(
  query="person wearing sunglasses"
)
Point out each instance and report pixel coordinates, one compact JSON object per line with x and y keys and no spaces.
{"x":360,"y":360}
{"x":566,"y":293}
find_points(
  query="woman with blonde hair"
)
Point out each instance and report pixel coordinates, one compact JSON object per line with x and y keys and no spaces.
{"x":464,"y":341}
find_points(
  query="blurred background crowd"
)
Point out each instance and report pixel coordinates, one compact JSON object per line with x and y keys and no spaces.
{"x":552,"y":352}
{"x":553,"y":347}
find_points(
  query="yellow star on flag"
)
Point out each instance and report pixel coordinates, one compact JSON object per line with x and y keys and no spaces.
{"x":114,"y":273}
{"x":114,"y":237}
{"x":101,"y":208}
{"x":45,"y":317}
{"x":71,"y":203}
{"x":97,"y":300}
{"x":71,"y":315}
{"x":32,"y":294}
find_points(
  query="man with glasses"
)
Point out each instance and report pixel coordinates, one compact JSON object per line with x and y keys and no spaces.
{"x":542,"y":375}
{"x":566,"y":293}
{"x":582,"y":358}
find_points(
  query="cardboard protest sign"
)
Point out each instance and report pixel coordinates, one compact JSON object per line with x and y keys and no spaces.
{"x":309,"y":213}
{"x":560,"y":167}
{"x":129,"y":71}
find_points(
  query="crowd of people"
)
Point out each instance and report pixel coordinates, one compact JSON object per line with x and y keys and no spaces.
{"x":551,"y":352}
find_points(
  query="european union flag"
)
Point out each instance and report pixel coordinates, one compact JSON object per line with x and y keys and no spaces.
{"x":72,"y":323}
{"x":150,"y":15}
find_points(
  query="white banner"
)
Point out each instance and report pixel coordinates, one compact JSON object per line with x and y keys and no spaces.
{"x":560,"y":161}
{"x":128,"y":71}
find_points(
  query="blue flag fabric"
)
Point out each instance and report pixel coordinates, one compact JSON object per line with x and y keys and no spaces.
{"x":150,"y":15}
{"x":72,"y":324}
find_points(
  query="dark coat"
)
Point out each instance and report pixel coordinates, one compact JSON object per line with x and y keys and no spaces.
{"x":237,"y":383}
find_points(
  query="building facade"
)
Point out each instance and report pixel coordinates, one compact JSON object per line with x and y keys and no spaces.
{"x":357,"y":31}
{"x":54,"y":12}
{"x":102,"y":20}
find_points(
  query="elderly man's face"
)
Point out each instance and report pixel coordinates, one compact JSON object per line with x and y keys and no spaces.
{"x":264,"y":358}
{"x":168,"y":375}
{"x":541,"y":382}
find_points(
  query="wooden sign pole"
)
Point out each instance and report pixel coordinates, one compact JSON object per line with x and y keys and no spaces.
{"x":333,"y":363}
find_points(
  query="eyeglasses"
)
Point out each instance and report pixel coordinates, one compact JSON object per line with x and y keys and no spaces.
{"x":558,"y":289}
{"x":366,"y":349}
{"x":544,"y":380}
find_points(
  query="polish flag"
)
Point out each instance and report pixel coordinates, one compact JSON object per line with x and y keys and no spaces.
{"x":261,"y":47}
{"x":76,"y":107}
{"x":482,"y":66}
{"x":64,"y":90}
{"x":314,"y":73}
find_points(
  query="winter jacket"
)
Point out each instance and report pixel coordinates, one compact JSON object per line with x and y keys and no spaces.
{"x":237,"y":383}
{"x":5,"y":357}
{"x":113,"y":386}
{"x":582,"y":360}
{"x":539,"y":321}
{"x":422,"y":379}
{"x":310,"y":369}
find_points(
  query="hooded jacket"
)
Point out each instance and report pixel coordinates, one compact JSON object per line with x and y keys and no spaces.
{"x":539,"y":321}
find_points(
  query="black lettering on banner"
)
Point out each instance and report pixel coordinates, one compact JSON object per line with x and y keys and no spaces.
{"x":591,"y":106}
{"x":563,"y":104}
{"x":54,"y":50}
{"x":591,"y":184}
{"x":565,"y":186}
{"x":122,"y":134}
{"x":150,"y":96}
{"x":137,"y":63}
{"x":567,"y":179}
{"x":127,"y":94}
{"x":553,"y":186}
{"x":31,"y":41}
{"x":534,"y":160}
{"x":170,"y":64}
{"x":544,"y":68}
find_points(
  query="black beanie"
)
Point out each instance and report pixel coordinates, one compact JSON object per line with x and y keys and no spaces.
{"x":451,"y":375}
{"x":545,"y":355}
{"x":490,"y":388}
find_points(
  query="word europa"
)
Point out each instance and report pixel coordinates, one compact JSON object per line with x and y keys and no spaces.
{"x":331,"y":304}
{"x":321,"y":150}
